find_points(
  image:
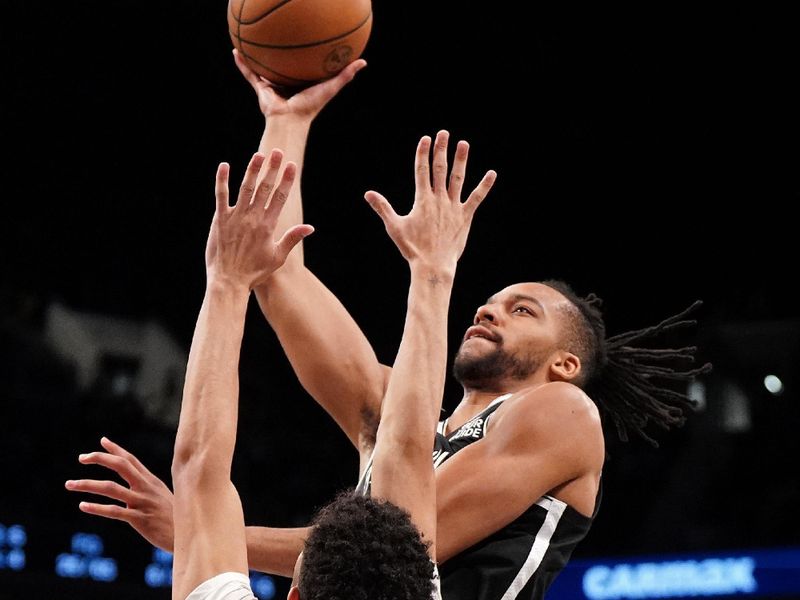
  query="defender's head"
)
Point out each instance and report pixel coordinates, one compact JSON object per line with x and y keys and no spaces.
{"x":363,"y":549}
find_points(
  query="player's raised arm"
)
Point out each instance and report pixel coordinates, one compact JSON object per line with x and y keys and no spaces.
{"x":342,"y":374}
{"x":431,"y":238}
{"x":241,"y":252}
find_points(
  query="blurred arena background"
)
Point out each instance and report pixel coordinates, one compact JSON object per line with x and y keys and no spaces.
{"x":648,"y":156}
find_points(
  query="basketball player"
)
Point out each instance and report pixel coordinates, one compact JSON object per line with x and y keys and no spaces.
{"x":341,"y":557}
{"x":519,"y":461}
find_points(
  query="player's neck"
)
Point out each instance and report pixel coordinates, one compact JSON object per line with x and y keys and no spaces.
{"x":482,"y":396}
{"x":478,"y":399}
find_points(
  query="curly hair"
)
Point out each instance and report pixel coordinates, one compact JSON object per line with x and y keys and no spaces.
{"x":361,"y":548}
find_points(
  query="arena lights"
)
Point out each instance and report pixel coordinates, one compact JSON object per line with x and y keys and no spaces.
{"x":85,"y":560}
{"x":757,"y":573}
{"x":263,"y":586}
{"x":159,"y":572}
{"x":697,"y":392}
{"x":773,"y":384}
{"x":12,"y":547}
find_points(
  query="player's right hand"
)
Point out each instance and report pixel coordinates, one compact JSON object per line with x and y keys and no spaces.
{"x":306,"y":103}
{"x":147,"y":501}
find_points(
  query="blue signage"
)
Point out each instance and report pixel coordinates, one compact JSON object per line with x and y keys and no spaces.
{"x":748,"y":573}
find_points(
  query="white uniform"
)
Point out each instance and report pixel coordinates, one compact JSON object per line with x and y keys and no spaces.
{"x":236,"y":586}
{"x":227,"y":586}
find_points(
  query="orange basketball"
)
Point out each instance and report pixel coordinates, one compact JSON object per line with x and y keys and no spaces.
{"x":295,"y":43}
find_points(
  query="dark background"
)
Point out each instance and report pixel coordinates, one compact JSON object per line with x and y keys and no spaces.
{"x":648,"y":156}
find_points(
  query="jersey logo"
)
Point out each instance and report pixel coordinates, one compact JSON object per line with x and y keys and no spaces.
{"x":471,"y":429}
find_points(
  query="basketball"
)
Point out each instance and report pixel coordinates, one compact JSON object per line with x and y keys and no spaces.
{"x":295,"y":43}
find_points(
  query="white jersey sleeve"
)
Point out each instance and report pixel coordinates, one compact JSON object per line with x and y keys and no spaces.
{"x":226,"y":586}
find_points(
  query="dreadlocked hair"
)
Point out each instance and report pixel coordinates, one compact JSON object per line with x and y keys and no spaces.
{"x":625,"y":380}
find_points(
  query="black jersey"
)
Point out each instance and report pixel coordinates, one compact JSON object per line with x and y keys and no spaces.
{"x":519,"y":561}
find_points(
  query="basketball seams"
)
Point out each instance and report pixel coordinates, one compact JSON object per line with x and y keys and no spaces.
{"x":278,"y":73}
{"x":307,"y":44}
{"x":239,"y":24}
{"x":262,"y":16}
{"x":323,"y":52}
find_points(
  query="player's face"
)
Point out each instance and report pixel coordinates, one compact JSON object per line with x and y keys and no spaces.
{"x":512,"y":335}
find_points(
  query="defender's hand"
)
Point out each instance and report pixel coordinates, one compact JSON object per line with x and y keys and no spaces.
{"x":147,"y":500}
{"x":241,"y":249}
{"x":435,"y":231}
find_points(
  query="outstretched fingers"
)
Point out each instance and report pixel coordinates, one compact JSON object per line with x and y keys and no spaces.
{"x":267,"y":183}
{"x":293,"y":236}
{"x":120,"y":465}
{"x":332,"y":86}
{"x":381,"y":206}
{"x":109,"y":511}
{"x":440,"y":161}
{"x":272,"y":210}
{"x":117,"y":450}
{"x":221,"y":188}
{"x":422,"y":169}
{"x":248,"y":187}
{"x":459,"y":170}
{"x":480,"y":192}
{"x":122,"y":462}
{"x":251,"y":76}
{"x":274,"y":205}
{"x":109,"y":489}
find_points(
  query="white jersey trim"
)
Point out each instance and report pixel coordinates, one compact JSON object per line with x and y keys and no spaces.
{"x":497,"y":400}
{"x":555,"y":508}
{"x":225,"y":586}
{"x":437,"y":584}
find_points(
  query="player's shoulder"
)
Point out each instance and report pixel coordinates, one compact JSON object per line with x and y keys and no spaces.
{"x":556,"y":402}
{"x":555,"y":415}
{"x":558,"y":396}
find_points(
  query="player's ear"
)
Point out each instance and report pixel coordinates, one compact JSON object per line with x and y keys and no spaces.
{"x":565,"y":366}
{"x":294,"y":593}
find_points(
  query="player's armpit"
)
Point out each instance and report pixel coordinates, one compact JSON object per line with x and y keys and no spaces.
{"x":535,"y":445}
